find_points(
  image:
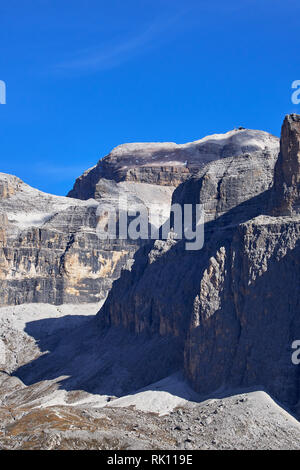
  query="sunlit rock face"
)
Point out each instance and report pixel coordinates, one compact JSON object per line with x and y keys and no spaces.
{"x":164,"y":279}
{"x":167,"y":163}
{"x":49,"y":248}
{"x":225,"y":315}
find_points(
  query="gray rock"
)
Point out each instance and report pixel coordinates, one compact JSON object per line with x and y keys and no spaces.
{"x":234,"y":304}
{"x":49,"y":249}
{"x":286,"y":195}
{"x":169,"y":164}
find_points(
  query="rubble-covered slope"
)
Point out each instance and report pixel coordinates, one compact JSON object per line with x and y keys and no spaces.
{"x":58,"y":355}
{"x":49,"y":249}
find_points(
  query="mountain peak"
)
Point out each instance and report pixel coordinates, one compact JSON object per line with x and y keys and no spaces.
{"x":168,"y":163}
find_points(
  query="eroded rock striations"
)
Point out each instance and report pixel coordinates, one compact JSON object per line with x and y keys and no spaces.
{"x":164,"y":273}
{"x":226,"y":314}
{"x":49,"y":249}
{"x":234,"y":305}
{"x":169,"y":164}
{"x":287,"y":170}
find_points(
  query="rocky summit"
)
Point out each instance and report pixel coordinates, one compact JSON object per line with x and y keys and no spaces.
{"x":169,"y":164}
{"x":233,"y":306}
{"x":49,"y":249}
{"x":123,"y":344}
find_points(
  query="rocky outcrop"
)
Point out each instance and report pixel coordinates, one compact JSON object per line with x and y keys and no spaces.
{"x":169,"y":164}
{"x":9,"y":185}
{"x":164,"y":278}
{"x":234,"y":305}
{"x":286,"y":197}
{"x":233,"y":182}
{"x":226,"y":315}
{"x":49,"y":248}
{"x":245,"y":313}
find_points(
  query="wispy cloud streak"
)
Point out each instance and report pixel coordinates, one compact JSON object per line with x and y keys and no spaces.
{"x":114,"y":54}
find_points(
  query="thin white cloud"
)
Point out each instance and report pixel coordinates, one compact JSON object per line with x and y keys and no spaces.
{"x":114,"y":54}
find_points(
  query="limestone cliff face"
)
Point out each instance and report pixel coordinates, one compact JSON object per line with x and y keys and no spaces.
{"x":246,"y":311}
{"x":234,"y":305}
{"x":49,"y":249}
{"x":9,"y":185}
{"x":287,"y":171}
{"x":243,"y":335}
{"x":169,"y":164}
{"x":164,"y":278}
{"x":231,"y":182}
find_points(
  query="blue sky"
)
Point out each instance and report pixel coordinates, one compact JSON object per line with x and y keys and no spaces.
{"x":83,"y":76}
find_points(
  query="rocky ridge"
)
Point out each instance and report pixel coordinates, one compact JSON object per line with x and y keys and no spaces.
{"x":49,"y":248}
{"x":224,"y":316}
{"x":219,"y":301}
{"x":169,"y":164}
